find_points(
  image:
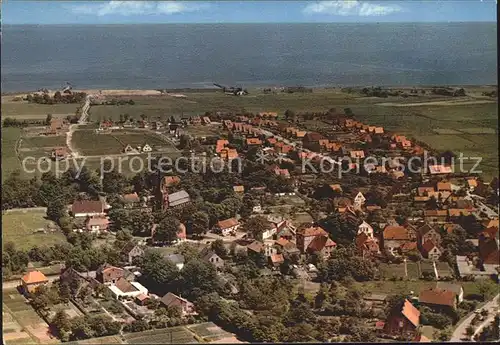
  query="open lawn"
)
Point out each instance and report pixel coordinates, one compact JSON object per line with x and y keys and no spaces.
{"x":89,"y":143}
{"x":23,"y":110}
{"x":20,"y":227}
{"x":10,"y":161}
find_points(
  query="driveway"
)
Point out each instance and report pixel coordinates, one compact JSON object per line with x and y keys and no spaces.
{"x":459,"y":333}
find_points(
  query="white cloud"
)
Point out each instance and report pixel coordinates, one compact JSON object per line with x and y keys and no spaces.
{"x":127,"y":8}
{"x":351,"y":8}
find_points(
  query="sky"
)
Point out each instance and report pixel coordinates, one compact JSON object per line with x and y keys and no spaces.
{"x":128,"y":12}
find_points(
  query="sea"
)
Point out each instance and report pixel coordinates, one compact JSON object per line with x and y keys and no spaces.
{"x":247,"y":55}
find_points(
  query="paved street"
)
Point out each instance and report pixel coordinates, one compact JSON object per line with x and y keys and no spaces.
{"x":459,"y":333}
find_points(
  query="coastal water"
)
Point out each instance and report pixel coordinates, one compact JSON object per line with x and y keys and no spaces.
{"x":195,"y":56}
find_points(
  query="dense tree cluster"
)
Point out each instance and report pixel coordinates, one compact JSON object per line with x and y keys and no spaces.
{"x":44,"y":98}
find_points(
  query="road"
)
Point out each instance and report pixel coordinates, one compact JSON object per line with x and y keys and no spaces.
{"x":459,"y":333}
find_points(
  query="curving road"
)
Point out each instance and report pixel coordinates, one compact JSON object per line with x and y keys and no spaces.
{"x":459,"y":333}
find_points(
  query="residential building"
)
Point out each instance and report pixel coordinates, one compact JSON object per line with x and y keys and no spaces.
{"x":430,"y":250}
{"x":286,"y":246}
{"x":456,"y":288}
{"x":177,"y":260}
{"x":131,"y":200}
{"x":107,"y":274}
{"x":428,"y":233}
{"x":396,"y":236}
{"x":171,"y":300}
{"x":227,"y":227}
{"x":403,"y":322}
{"x":32,"y":281}
{"x":314,"y":239}
{"x":124,"y":289}
{"x":438,"y":299}
{"x":97,"y":224}
{"x":132,"y":251}
{"x":276,"y":260}
{"x":209,"y":256}
{"x":88,"y":208}
{"x":365,"y":228}
{"x":174,"y":200}
{"x":367,"y":245}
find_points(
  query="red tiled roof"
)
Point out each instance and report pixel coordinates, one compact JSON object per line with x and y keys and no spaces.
{"x":87,"y":206}
{"x":395,"y":233}
{"x":227,"y":223}
{"x":411,"y":313}
{"x":428,"y":246}
{"x":34,"y":277}
{"x":277,"y":258}
{"x":312,"y":231}
{"x":438,"y":297}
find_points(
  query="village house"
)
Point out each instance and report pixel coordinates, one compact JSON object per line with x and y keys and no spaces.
{"x":396,"y":238}
{"x":88,"y":208}
{"x":440,"y":169}
{"x":286,"y":246}
{"x":366,"y":245}
{"x":124,"y":289}
{"x":175,"y":200}
{"x":107,"y":274}
{"x":132,"y":251}
{"x":171,"y":300}
{"x":97,"y":224}
{"x":430,"y":250}
{"x":404,"y":322}
{"x":365,"y":228}
{"x":314,"y":239}
{"x":358,"y":199}
{"x":131,"y":200}
{"x":438,"y":299}
{"x":211,"y":257}
{"x":239,"y":189}
{"x":227,"y":227}
{"x":428,"y":233}
{"x":276,"y":260}
{"x":456,"y":288}
{"x":436,"y":216}
{"x":313,"y":141}
{"x":177,"y":259}
{"x":32,"y":281}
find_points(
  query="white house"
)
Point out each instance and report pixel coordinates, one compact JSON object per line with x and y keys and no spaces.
{"x":431,"y":251}
{"x":269,"y":248}
{"x":269,"y":233}
{"x":365,"y":228}
{"x":97,"y":224}
{"x":359,"y":200}
{"x":227,"y":227}
{"x":123,"y":289}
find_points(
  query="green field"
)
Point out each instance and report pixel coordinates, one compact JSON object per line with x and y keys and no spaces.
{"x":89,"y":143}
{"x":174,"y":335}
{"x":443,"y":123}
{"x":10,"y":161}
{"x":19,"y":227}
{"x":23,"y":110}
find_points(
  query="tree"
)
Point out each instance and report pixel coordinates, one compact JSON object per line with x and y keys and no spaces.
{"x":218,"y":247}
{"x":140,"y":222}
{"x":486,"y":288}
{"x":343,"y":263}
{"x":198,"y":278}
{"x":48,"y":119}
{"x":61,"y":325}
{"x":56,"y":210}
{"x":137,"y":326}
{"x":256,"y":226}
{"x":199,"y":223}
{"x":167,"y":230}
{"x":158,"y":273}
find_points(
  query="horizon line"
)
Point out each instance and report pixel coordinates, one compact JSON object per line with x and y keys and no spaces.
{"x":278,"y":22}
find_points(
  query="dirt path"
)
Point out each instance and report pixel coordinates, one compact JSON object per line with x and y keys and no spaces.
{"x":69,"y":136}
